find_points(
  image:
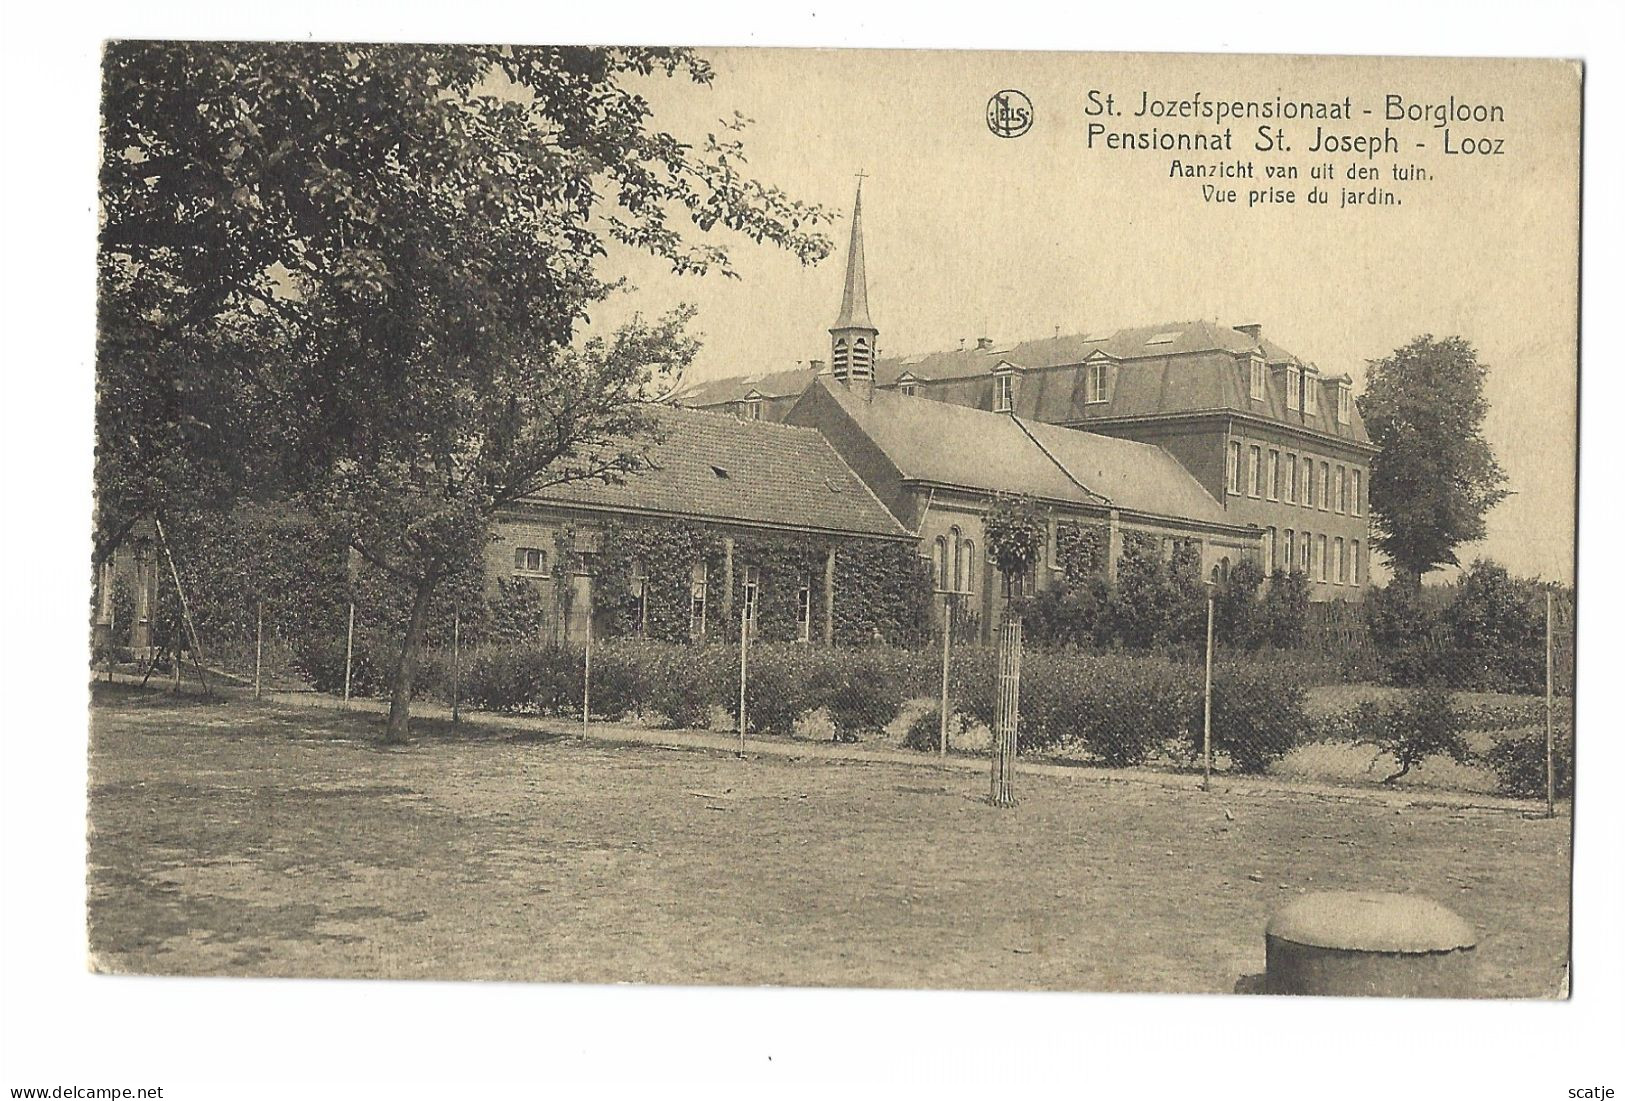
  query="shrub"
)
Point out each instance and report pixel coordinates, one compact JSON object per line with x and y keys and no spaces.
{"x":1421,"y":724}
{"x":683,"y":683}
{"x":1134,"y":706}
{"x":320,"y":660}
{"x":619,"y":676}
{"x":860,"y":699}
{"x":779,"y":685}
{"x":542,"y":679}
{"x":1519,"y":763}
{"x":1258,"y":716}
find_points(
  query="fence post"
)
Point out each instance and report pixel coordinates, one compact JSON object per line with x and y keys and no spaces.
{"x":744,"y":640}
{"x":349,"y":653}
{"x":1551,"y":785}
{"x":259,"y":643}
{"x":1207,"y":700}
{"x":586,"y":680}
{"x":1007,"y":713}
{"x":456,"y":655}
{"x":942,"y":710}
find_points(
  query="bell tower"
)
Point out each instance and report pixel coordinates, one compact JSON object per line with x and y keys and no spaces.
{"x":852,"y":337}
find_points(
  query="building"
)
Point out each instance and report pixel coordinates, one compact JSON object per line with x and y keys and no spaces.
{"x":937,"y":466}
{"x":1275,"y":443}
{"x":727,"y":519}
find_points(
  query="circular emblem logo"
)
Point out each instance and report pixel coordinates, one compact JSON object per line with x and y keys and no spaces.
{"x":1009,"y":113}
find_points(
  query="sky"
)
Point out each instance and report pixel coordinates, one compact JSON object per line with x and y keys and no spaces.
{"x":968,"y":234}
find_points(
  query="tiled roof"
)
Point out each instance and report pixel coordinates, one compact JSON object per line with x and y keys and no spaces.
{"x":945,"y":444}
{"x":770,"y":384}
{"x":1136,"y":476}
{"x":1169,"y":368}
{"x":718,"y":467}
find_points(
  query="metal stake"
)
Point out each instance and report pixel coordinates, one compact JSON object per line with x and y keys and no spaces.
{"x":349,"y":653}
{"x":744,"y":641}
{"x":1207,"y":702}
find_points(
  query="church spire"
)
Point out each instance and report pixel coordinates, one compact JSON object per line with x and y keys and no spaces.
{"x":852,"y":338}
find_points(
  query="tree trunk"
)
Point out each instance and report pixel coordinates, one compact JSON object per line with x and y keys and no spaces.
{"x":400,"y":700}
{"x":1006,"y":714}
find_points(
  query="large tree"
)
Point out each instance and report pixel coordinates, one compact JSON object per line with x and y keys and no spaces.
{"x":358,"y":273}
{"x":1436,"y":478}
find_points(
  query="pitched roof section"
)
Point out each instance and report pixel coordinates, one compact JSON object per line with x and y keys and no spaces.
{"x":771,"y":384}
{"x":1139,"y":477}
{"x":1169,"y":368}
{"x":717,"y":467}
{"x":935,"y":442}
{"x":855,"y":295}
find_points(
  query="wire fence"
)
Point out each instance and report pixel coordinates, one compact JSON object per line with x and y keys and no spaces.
{"x":1471,"y":693}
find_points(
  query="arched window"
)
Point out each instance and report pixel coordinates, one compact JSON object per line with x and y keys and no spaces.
{"x":1214,"y":574}
{"x":959,"y":560}
{"x":939,"y":563}
{"x":970,"y":566}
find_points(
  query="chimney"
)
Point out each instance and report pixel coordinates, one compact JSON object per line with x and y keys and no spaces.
{"x":983,"y":343}
{"x":1254,"y":332}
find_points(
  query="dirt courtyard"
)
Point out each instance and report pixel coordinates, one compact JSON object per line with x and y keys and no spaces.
{"x":234,"y":839}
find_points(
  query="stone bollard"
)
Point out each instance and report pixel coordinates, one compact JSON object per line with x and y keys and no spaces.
{"x":1369,"y":943}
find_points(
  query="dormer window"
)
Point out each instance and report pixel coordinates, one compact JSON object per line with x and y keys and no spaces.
{"x":1255,"y":370}
{"x":1345,"y":402}
{"x":906,"y":389}
{"x":751,"y":409}
{"x":1311,"y":396}
{"x":1094,"y":387}
{"x":1294,"y":388}
{"x":1004,"y":390}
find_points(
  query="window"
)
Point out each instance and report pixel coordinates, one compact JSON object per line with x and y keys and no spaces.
{"x":696,"y":600}
{"x":906,"y":389}
{"x":1344,"y":401}
{"x":753,"y":409}
{"x":939,"y":564}
{"x":1255,"y":471}
{"x":1095,"y":385}
{"x":1256,"y":378}
{"x":1003,"y":392}
{"x":640,"y":605}
{"x":1305,"y":543}
{"x":1356,"y":501}
{"x":1294,"y":389}
{"x":1321,"y":565}
{"x":804,"y":614}
{"x":752,"y":586}
{"x":529,"y":562}
{"x":1311,"y":396}
{"x":1354,"y":562}
{"x":1291,"y":478}
{"x":1288,"y":545}
{"x":959,"y":560}
{"x":970,"y":566}
{"x":1342,"y":574}
{"x":1308,"y":483}
{"x":1274,"y":482}
{"x":1325,"y":486}
{"x":1269,"y":550}
{"x":1342,"y":488}
{"x":1233,"y":479}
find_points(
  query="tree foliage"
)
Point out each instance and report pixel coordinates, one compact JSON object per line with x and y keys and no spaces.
{"x":358,"y":272}
{"x":1435,"y":478}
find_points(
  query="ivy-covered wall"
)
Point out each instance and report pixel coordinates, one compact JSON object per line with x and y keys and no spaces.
{"x":880,"y":585}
